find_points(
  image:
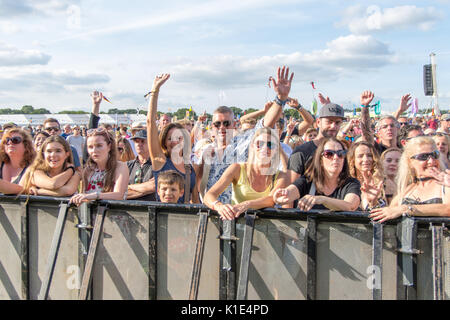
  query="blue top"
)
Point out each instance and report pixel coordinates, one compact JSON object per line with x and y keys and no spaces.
{"x":170,"y":166}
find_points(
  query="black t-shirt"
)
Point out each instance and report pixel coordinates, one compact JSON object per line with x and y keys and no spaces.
{"x":381,"y":147}
{"x":140,"y":174}
{"x":294,"y":132}
{"x":300,"y":156}
{"x":351,"y":185}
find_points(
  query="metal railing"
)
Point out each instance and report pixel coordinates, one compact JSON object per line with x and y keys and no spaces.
{"x":151,"y":250}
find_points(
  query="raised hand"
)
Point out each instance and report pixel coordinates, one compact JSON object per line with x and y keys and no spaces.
{"x":442,"y":178}
{"x":291,"y":125}
{"x":323,"y":100}
{"x":97,"y":97}
{"x":405,"y":103}
{"x":366,"y":98}
{"x":282,"y":85}
{"x":293,"y":103}
{"x":160,"y":80}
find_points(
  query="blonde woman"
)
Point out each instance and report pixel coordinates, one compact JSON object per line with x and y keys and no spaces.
{"x":253,"y":182}
{"x":52,"y":172}
{"x":419,"y":193}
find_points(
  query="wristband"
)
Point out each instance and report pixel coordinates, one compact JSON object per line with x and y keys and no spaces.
{"x":299,"y":106}
{"x":363,"y":106}
{"x":73,"y":169}
{"x":280,"y":102}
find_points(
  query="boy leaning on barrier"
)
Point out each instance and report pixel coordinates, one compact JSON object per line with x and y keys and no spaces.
{"x":170,"y":186}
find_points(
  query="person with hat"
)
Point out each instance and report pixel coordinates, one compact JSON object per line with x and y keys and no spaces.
{"x":141,"y":185}
{"x":444,"y":124}
{"x":329,"y":122}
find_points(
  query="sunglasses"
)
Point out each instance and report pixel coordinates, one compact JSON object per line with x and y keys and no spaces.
{"x":329,"y":154}
{"x":403,"y":123}
{"x":14,"y":140}
{"x":260,"y":144}
{"x":426,"y":156}
{"x":49,"y":129}
{"x":225,"y":123}
{"x":90,"y":132}
{"x":120,"y":149}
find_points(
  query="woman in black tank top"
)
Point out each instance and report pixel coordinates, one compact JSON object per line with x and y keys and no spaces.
{"x":16,"y":154}
{"x":419,"y":193}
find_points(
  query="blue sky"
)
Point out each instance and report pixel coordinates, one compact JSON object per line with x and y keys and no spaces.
{"x":54,"y":53}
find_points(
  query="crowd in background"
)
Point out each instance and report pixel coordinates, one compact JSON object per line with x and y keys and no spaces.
{"x":389,"y":166}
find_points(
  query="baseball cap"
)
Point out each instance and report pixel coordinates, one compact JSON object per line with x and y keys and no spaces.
{"x":331,"y":110}
{"x":142,"y":134}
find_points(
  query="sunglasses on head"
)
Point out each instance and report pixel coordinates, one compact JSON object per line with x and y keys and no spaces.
{"x":426,"y":156}
{"x":260,"y":144}
{"x":14,"y":140}
{"x":49,"y":129}
{"x":90,"y":132}
{"x":225,"y":123}
{"x":329,"y":154}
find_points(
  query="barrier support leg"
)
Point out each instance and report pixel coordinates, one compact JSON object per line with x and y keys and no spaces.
{"x":24,"y":256}
{"x":87,"y":274}
{"x":377,"y":261}
{"x":247,"y":243}
{"x":152,"y":249}
{"x":227,"y":272}
{"x":437,"y":233}
{"x":198,"y":256}
{"x":53,"y":254}
{"x":311,"y":265}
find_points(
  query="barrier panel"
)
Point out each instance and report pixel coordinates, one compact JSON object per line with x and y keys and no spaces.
{"x":149,"y":250}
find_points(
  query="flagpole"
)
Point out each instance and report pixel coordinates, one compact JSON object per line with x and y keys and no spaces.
{"x":435,"y":94}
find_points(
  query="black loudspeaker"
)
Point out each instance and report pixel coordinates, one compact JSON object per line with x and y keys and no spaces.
{"x":428,"y":80}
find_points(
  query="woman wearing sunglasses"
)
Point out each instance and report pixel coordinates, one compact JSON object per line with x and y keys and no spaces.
{"x":419,"y":193}
{"x":125,"y":151}
{"x":53,"y":172}
{"x":172,"y":150}
{"x":16,"y":154}
{"x":326,"y":184}
{"x":365,"y":165}
{"x":104,"y":177}
{"x":253,"y":182}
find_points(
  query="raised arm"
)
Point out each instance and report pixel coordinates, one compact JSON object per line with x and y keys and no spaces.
{"x":282,"y":87}
{"x":156,"y":153}
{"x":256,"y":114}
{"x":308,"y":119}
{"x":365,"y":100}
{"x":404,"y":105}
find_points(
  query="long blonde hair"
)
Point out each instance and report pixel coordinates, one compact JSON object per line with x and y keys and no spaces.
{"x":274,"y":161}
{"x":40,"y":164}
{"x":406,"y":175}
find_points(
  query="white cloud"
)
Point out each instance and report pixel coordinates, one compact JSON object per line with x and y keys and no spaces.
{"x":11,"y":8}
{"x":8,"y":27}
{"x":362,"y":20}
{"x":11,"y":56}
{"x":342,"y":56}
{"x":48,"y":81}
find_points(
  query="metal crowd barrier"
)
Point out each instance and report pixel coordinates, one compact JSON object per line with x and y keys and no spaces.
{"x":150,"y":250}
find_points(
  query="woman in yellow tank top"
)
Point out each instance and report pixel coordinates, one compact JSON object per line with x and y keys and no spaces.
{"x":253,"y":181}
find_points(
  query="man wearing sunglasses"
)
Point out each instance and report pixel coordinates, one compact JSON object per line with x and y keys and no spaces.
{"x":52,"y":127}
{"x":141,"y":185}
{"x":228,"y":149}
{"x":329,"y":122}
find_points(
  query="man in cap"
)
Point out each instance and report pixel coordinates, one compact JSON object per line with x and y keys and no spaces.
{"x":329,"y":122}
{"x":141,"y":185}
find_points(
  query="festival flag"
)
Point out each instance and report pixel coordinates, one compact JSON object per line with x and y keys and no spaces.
{"x":312,"y":84}
{"x":354,"y":110}
{"x":187,"y":114}
{"x":104,"y":98}
{"x":432,"y":112}
{"x":414,"y":107}
{"x":377,"y":109}
{"x":314,"y":107}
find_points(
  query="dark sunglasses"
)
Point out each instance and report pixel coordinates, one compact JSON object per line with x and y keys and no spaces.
{"x":426,"y":156}
{"x":120,"y":149}
{"x":51,"y":129}
{"x":329,"y":154}
{"x":14,"y":140}
{"x":225,"y":123}
{"x":260,"y":144}
{"x":403,"y":123}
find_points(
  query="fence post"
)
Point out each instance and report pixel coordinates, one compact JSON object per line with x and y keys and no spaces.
{"x":246,"y":256}
{"x":311,"y":265}
{"x":24,"y":255}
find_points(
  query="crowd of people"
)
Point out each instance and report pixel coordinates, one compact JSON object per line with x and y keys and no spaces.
{"x":389,"y":166}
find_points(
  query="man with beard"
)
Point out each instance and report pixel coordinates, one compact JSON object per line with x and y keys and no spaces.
{"x":329,"y":122}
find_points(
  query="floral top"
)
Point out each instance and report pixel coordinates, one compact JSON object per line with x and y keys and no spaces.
{"x":96,"y":181}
